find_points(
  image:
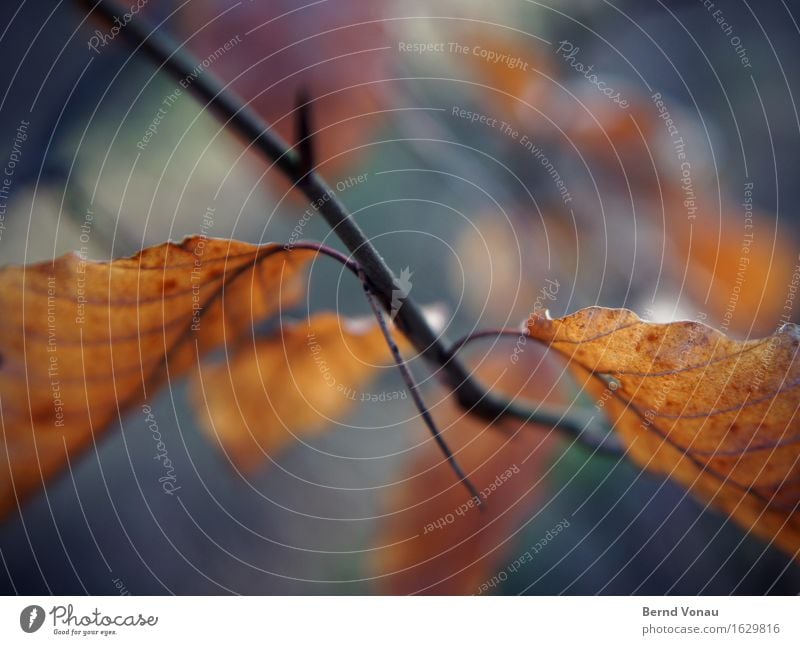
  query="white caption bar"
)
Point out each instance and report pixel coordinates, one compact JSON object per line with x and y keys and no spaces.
{"x":372,"y":620}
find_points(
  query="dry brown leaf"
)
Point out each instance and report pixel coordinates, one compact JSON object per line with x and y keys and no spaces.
{"x":290,"y":386}
{"x":716,"y":414}
{"x":84,"y":340}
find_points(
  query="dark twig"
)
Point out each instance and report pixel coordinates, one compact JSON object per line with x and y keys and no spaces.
{"x":305,"y":142}
{"x":412,"y":386}
{"x":237,"y":115}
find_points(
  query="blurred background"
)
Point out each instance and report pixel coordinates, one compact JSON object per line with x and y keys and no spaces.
{"x":604,"y":153}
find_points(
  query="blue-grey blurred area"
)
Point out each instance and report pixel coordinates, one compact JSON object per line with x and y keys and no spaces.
{"x":479,"y":223}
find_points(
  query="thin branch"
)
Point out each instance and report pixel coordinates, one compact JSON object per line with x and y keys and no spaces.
{"x":239,"y":117}
{"x":413,"y":388}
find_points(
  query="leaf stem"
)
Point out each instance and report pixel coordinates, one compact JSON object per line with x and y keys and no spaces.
{"x":486,"y":333}
{"x":340,"y":257}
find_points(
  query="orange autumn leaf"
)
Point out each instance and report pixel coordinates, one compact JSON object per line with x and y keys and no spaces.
{"x":718,"y":415}
{"x":290,"y":386}
{"x":82,"y":340}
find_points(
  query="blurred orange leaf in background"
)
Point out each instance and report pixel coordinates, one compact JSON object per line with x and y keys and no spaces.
{"x":289,"y":386}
